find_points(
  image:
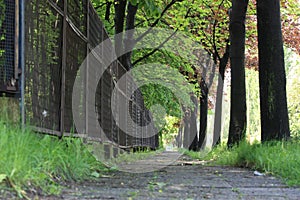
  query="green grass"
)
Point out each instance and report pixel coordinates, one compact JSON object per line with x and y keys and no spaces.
{"x":278,"y":158}
{"x":29,"y":160}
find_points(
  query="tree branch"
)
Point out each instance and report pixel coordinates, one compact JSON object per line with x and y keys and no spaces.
{"x":100,"y":6}
{"x":142,"y":21}
{"x":157,"y":20}
{"x":161,"y":45}
{"x":156,"y":49}
{"x":216,"y":53}
{"x":224,"y":60}
{"x":207,"y":38}
{"x":107,"y":11}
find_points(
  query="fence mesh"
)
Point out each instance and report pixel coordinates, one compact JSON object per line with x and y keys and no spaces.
{"x":43,"y":64}
{"x":8,"y":44}
{"x":58,"y":37}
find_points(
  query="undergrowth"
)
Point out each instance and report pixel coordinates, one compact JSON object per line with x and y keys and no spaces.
{"x":278,"y":158}
{"x":43,"y":162}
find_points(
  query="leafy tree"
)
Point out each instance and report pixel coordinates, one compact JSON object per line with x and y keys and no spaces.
{"x":208,"y":24}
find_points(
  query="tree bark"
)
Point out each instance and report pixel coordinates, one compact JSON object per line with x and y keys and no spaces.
{"x":128,"y":40}
{"x":193,"y":125}
{"x":237,"y":128}
{"x":219,"y":98}
{"x":186,"y":129}
{"x":203,"y":114}
{"x":179,"y":136}
{"x":272,"y":78}
{"x":107,"y":10}
{"x":120,"y":7}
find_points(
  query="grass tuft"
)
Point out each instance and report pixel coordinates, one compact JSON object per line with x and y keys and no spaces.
{"x":29,"y":160}
{"x":278,"y":158}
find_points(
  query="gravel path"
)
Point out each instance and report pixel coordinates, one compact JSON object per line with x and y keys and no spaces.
{"x":183,"y":179}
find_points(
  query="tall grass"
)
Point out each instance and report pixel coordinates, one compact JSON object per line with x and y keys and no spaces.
{"x":28,"y":160}
{"x":278,"y":158}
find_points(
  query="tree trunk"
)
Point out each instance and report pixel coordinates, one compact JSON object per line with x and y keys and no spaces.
{"x":128,"y":40}
{"x":219,"y":98}
{"x":179,"y":136}
{"x":272,"y":79}
{"x":186,"y":129}
{"x":193,"y":125}
{"x":120,"y":7}
{"x":237,"y":128}
{"x":203,"y":114}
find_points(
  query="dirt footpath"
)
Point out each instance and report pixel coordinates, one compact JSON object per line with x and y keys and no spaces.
{"x":184,"y":179}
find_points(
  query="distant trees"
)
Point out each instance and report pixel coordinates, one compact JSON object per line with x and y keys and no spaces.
{"x":207,"y":23}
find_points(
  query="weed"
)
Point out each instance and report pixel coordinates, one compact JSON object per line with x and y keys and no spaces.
{"x":29,"y":160}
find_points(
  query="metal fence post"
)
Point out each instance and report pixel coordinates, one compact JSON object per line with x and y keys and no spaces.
{"x":16,"y":57}
{"x":63,"y":73}
{"x":22,"y":60}
{"x":87,"y":72}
